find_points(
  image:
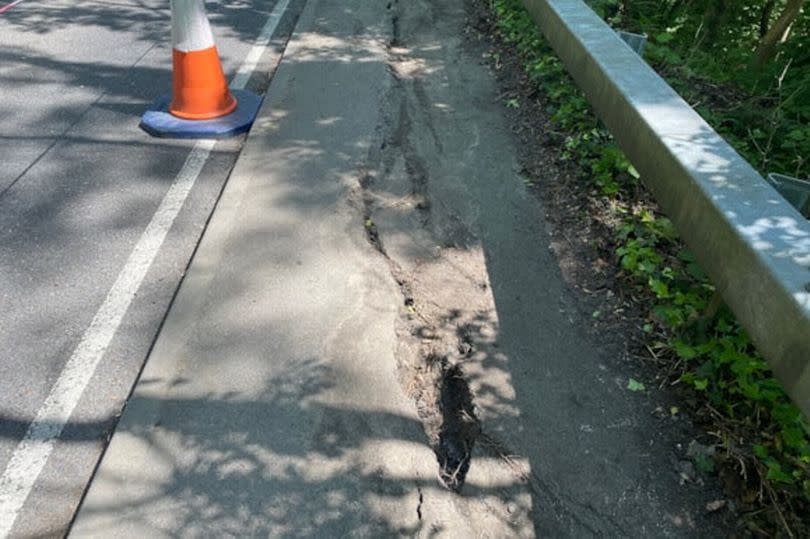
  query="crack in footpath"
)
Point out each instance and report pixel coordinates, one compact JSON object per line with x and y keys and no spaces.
{"x":443,"y":398}
{"x":413,"y":194}
{"x":436,"y":383}
{"x":395,"y":28}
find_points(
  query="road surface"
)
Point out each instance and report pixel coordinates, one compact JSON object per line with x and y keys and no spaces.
{"x":79,"y":184}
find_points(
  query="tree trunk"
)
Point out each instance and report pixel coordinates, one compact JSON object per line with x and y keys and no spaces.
{"x":768,"y":45}
{"x":765,"y":17}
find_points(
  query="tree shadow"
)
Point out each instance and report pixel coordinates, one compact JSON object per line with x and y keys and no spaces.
{"x":284,"y":463}
{"x":280,"y":455}
{"x":150,"y":19}
{"x":102,"y":57}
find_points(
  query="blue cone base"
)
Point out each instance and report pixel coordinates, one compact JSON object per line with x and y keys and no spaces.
{"x":159,"y":123}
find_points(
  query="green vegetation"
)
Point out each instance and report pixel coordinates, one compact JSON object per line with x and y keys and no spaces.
{"x":743,"y":64}
{"x":721,"y":56}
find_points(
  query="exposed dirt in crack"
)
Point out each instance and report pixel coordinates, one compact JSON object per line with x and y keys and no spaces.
{"x":429,"y":375}
{"x":448,"y":326}
{"x":429,"y":356}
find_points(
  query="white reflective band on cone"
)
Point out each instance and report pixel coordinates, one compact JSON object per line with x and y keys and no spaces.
{"x":190,"y":28}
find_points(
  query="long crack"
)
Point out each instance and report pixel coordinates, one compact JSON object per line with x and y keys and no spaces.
{"x":443,"y":398}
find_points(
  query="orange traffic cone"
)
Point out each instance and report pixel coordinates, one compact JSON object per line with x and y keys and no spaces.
{"x":200,"y":105}
{"x":199,"y":89}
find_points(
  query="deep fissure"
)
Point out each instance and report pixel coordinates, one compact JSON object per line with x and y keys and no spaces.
{"x":436,"y":383}
{"x":443,"y":398}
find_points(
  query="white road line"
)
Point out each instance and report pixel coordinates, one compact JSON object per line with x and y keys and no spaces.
{"x":32,"y":452}
{"x":252,"y":59}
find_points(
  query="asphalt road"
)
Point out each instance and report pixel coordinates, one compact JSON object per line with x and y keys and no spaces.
{"x":79,"y":183}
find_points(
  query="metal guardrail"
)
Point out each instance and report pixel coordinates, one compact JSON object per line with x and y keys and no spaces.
{"x":752,"y":243}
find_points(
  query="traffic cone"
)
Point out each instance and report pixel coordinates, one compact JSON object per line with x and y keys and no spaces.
{"x":200,"y":105}
{"x":199,"y":89}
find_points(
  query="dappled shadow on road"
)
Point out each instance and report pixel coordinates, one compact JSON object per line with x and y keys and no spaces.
{"x":75,"y":77}
{"x":149,"y":19}
{"x":279,"y":463}
{"x":101,"y":57}
{"x":22,"y":64}
{"x":106,"y":63}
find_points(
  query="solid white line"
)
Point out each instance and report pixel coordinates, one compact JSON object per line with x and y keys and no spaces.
{"x":32,"y":452}
{"x":242,"y":76}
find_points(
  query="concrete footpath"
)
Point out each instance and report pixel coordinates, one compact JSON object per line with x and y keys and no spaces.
{"x":375,"y":235}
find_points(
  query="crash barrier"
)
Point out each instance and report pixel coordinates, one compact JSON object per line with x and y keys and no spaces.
{"x":201,"y":105}
{"x":749,"y":240}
